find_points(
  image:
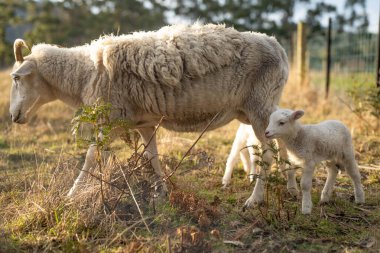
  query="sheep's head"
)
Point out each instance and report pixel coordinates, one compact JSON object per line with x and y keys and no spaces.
{"x":282,"y":123}
{"x":29,"y":91}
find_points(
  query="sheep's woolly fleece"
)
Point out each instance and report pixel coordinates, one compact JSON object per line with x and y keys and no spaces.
{"x":169,"y":54}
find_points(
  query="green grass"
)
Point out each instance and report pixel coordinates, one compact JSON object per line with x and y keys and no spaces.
{"x":342,"y":81}
{"x":39,"y":162}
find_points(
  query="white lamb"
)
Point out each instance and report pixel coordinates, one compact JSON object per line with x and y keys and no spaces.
{"x":327,"y":141}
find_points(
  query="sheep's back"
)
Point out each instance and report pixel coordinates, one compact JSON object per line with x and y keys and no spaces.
{"x":171,"y":53}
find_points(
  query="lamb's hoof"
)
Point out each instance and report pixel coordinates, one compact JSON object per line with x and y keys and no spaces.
{"x":225,"y":186}
{"x":225,"y":183}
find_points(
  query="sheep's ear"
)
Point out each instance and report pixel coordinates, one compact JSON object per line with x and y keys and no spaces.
{"x":25,"y":68}
{"x":297,"y":114}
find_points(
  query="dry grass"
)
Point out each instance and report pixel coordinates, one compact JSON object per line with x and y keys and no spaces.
{"x":39,"y":161}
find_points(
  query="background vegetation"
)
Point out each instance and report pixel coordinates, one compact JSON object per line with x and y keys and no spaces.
{"x":73,"y":22}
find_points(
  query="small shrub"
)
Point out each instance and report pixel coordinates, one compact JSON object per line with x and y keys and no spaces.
{"x":366,"y":105}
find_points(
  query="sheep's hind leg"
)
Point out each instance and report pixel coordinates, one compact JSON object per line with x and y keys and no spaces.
{"x":332,"y":172}
{"x":149,"y":138}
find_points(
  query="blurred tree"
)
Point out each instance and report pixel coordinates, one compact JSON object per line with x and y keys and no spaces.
{"x":268,"y":16}
{"x":47,"y":22}
{"x":315,"y":15}
{"x":116,"y":16}
{"x":74,"y":22}
{"x":8,"y":16}
{"x":78,"y":21}
{"x":354,"y":16}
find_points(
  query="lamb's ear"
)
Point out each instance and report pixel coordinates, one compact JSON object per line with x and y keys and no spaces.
{"x":297,"y":114}
{"x":25,"y":68}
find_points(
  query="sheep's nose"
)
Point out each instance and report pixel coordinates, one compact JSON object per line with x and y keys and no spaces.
{"x":266,"y":132}
{"x":15,"y":118}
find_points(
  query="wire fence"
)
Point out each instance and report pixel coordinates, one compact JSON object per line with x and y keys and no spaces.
{"x":353,"y":58}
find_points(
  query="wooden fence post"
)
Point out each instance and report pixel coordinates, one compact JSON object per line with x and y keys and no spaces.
{"x":378,"y":55}
{"x":301,"y":53}
{"x":328,"y":59}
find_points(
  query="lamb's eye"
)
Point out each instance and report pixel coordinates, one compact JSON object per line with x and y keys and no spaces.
{"x":281,"y":123}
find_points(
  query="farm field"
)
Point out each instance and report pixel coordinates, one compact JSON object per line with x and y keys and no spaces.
{"x":40,"y":161}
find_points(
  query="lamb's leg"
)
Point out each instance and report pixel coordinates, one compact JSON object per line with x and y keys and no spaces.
{"x":353,"y":172}
{"x":291,"y":174}
{"x":244,"y":157}
{"x":306,"y":184}
{"x":149,"y":138}
{"x":332,"y":172}
{"x":257,"y":196}
{"x":252,"y":166}
{"x":238,"y":144}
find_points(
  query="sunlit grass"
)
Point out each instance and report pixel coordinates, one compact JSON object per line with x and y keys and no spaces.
{"x":39,"y":162}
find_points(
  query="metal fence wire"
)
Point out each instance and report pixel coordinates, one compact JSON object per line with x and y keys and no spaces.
{"x":353,"y":58}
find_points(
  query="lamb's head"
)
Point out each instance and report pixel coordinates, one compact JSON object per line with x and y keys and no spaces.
{"x":283,"y":123}
{"x":29,"y":90}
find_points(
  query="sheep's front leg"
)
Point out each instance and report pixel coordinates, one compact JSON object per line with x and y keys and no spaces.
{"x":257,"y":196}
{"x":306,"y":184}
{"x":149,"y":138}
{"x":89,"y":165}
{"x":90,"y":162}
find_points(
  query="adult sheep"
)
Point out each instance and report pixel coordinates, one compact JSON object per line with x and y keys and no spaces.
{"x":186,"y":74}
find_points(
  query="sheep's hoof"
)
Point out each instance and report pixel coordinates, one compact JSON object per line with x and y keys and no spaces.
{"x":251,"y":202}
{"x":161,"y":191}
{"x":359,"y":198}
{"x":306,"y":210}
{"x":293,"y":192}
{"x":324,"y":200}
{"x":73,"y":191}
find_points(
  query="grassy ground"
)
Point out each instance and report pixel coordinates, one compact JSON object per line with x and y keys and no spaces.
{"x":39,"y":162}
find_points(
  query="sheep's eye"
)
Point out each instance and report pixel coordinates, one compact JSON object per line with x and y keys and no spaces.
{"x":281,"y":123}
{"x":16,"y":78}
